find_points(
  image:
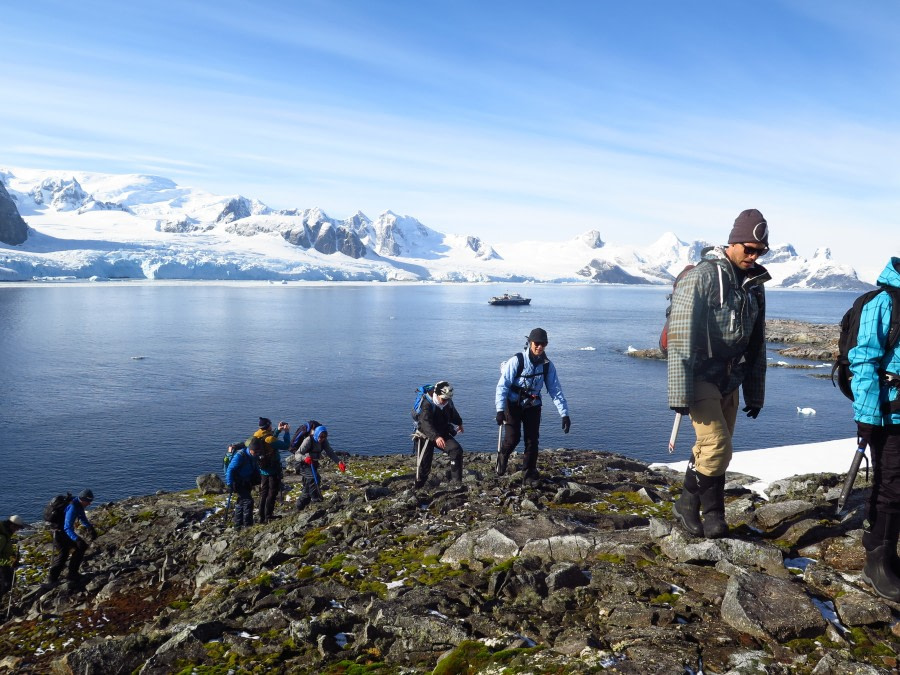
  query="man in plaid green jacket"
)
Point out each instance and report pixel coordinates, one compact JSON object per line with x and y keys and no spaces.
{"x":717,"y":346}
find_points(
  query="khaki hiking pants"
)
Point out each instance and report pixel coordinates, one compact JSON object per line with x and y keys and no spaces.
{"x":713,"y":417}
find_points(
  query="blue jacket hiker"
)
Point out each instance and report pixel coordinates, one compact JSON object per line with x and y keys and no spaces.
{"x":311,"y":450}
{"x":68,"y":542}
{"x":518,"y":401}
{"x":875,"y":383}
{"x":241,"y":475}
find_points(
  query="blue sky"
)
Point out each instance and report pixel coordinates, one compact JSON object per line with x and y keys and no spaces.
{"x":507,"y":120}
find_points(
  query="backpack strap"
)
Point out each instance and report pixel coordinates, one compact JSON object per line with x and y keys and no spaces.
{"x":893,"y":336}
{"x":520,"y":366}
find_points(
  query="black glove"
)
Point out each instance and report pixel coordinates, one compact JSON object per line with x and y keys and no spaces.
{"x":92,"y":532}
{"x":864,"y":433}
{"x":501,"y":417}
{"x":682,"y":410}
{"x":566,"y":424}
{"x":751,"y":411}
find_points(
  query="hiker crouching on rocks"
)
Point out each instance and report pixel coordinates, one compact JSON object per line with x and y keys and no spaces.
{"x":716,"y":346}
{"x":67,"y":542}
{"x":9,"y":556}
{"x":308,"y":457}
{"x":518,"y":401}
{"x":240,"y":476}
{"x":438,"y":424}
{"x":269,"y":461}
{"x":875,"y":382}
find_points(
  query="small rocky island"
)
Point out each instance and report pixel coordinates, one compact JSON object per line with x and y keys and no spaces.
{"x":581,"y":571}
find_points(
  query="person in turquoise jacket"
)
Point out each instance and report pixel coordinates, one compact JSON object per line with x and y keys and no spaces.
{"x":875,"y":384}
{"x":269,"y":461}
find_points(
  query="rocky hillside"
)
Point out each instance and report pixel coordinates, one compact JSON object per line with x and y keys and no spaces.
{"x":578,"y":572}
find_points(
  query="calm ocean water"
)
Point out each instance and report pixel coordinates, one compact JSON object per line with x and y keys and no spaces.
{"x":131,"y":388}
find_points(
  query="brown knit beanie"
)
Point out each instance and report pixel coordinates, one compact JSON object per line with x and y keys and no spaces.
{"x":749,"y":227}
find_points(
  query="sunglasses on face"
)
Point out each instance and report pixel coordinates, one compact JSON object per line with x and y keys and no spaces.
{"x":754,"y":250}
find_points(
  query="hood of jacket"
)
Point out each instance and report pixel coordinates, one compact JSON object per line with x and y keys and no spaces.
{"x":891,"y":274}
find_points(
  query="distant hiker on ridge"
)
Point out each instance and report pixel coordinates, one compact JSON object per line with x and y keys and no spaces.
{"x":518,"y":401}
{"x":308,"y":457}
{"x":67,"y":541}
{"x":875,"y":383}
{"x":9,"y":556}
{"x":438,"y":423}
{"x":716,"y":345}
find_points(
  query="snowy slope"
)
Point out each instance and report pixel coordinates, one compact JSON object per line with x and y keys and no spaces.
{"x":85,"y":225}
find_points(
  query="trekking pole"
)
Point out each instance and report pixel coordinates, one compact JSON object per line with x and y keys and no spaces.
{"x":228,"y":505}
{"x":851,"y":477}
{"x":499,"y":437}
{"x":315,"y":475}
{"x":674,"y":437}
{"x":12,"y":587}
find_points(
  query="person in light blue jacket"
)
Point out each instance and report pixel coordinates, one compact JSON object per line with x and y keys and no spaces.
{"x":875,"y":382}
{"x":518,"y":401}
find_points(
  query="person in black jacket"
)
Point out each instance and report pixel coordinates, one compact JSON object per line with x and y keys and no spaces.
{"x":438,"y":424}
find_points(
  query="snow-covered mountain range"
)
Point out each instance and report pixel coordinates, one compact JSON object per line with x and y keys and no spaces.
{"x":61,"y":225}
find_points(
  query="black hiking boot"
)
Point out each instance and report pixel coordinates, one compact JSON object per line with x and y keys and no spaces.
{"x":712,"y":501}
{"x":687,"y":508}
{"x":502,"y":461}
{"x":880,"y":542}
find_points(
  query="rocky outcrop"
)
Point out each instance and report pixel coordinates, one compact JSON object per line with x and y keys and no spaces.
{"x":808,"y":341}
{"x":609,"y":273}
{"x":577,"y":572}
{"x":13,"y":230}
{"x":327,"y":235}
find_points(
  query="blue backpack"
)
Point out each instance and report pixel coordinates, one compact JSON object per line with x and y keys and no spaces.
{"x":421,"y":392}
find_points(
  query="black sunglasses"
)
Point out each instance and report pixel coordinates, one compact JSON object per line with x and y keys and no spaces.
{"x":753,"y":250}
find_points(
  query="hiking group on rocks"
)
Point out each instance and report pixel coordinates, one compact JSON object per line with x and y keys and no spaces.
{"x":716,"y":347}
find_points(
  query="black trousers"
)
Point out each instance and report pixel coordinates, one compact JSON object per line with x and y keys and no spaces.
{"x":268,"y":496}
{"x":312,"y":492}
{"x":64,"y":548}
{"x":425,"y":456}
{"x":519,"y":419}
{"x":243,"y":509}
{"x":6,"y":580}
{"x":885,"y":448}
